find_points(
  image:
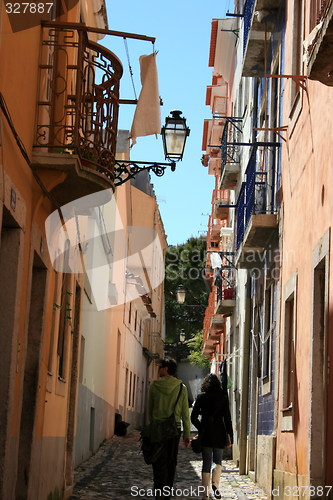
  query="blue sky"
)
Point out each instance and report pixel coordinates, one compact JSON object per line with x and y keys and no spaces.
{"x":182,"y":32}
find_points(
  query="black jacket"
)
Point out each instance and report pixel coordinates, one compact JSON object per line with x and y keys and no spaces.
{"x":214,"y":431}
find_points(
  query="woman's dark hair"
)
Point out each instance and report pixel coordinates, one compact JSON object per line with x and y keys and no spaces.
{"x":210,"y":382}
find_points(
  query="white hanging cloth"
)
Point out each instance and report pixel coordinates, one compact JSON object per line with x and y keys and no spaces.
{"x":215,"y":260}
{"x":147,"y":116}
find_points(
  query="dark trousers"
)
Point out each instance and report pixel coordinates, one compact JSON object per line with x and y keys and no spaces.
{"x":165,"y":466}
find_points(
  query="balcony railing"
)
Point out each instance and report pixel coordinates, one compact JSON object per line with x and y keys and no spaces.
{"x":225,"y":279}
{"x":262,"y":18}
{"x":255,"y":197}
{"x":230,"y":152}
{"x":240,"y":219}
{"x":78,"y":100}
{"x":248,"y":13}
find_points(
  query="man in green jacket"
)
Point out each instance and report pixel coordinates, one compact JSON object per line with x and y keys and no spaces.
{"x":163,"y":395}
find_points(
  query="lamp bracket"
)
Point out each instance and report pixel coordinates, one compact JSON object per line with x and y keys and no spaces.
{"x":124,"y":170}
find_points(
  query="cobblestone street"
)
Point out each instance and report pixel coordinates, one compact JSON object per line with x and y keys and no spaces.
{"x":118,"y":471}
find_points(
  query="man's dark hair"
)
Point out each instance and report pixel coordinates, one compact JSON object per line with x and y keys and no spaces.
{"x":171,"y":365}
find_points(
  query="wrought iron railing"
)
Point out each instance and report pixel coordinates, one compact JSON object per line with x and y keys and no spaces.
{"x":225,"y":279}
{"x":78,"y":99}
{"x":256,"y":190}
{"x":254,"y":197}
{"x":240,"y":216}
{"x":230,"y":151}
{"x":248,"y":12}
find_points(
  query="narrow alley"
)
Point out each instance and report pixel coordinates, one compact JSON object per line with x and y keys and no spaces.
{"x":213,"y":266}
{"x":118,"y":471}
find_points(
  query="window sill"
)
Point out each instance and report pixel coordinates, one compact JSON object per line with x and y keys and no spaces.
{"x":266,"y":385}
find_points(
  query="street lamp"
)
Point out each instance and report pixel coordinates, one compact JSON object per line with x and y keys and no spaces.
{"x":182,"y":335}
{"x":180,"y":294}
{"x":174,"y":134}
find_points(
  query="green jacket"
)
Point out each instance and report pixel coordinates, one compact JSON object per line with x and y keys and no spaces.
{"x":162,"y":397}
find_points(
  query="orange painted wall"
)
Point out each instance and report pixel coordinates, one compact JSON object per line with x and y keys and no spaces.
{"x":19,"y":58}
{"x":307,"y":214}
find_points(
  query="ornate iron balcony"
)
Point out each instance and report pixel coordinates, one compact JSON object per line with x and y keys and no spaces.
{"x":256,"y":210}
{"x":255,"y":197}
{"x":78,"y":97}
{"x":262,"y":18}
{"x":248,"y":13}
{"x":231,"y":135}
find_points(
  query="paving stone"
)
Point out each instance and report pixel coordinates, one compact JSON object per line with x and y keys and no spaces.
{"x":117,"y":471}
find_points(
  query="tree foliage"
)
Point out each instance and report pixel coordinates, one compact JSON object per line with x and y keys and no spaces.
{"x":195,"y":356}
{"x":185,"y":265}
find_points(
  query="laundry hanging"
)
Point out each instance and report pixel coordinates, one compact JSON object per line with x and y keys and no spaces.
{"x":147,"y":116}
{"x":215,"y":260}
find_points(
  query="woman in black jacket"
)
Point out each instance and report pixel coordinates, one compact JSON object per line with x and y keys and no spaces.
{"x":215,"y":428}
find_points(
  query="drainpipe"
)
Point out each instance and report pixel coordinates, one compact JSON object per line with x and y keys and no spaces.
{"x":245,"y":382}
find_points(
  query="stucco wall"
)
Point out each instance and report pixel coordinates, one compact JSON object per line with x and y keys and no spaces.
{"x":89,"y":435}
{"x":49,"y":479}
{"x":307,"y":191}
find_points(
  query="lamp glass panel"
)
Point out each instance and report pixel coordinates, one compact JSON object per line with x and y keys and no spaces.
{"x":175,"y":141}
{"x":181,"y":295}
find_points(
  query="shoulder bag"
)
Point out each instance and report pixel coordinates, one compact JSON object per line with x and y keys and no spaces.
{"x":154,"y":435}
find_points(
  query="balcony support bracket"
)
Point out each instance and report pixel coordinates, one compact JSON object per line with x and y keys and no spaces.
{"x":300,"y":80}
{"x":276,"y":130}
